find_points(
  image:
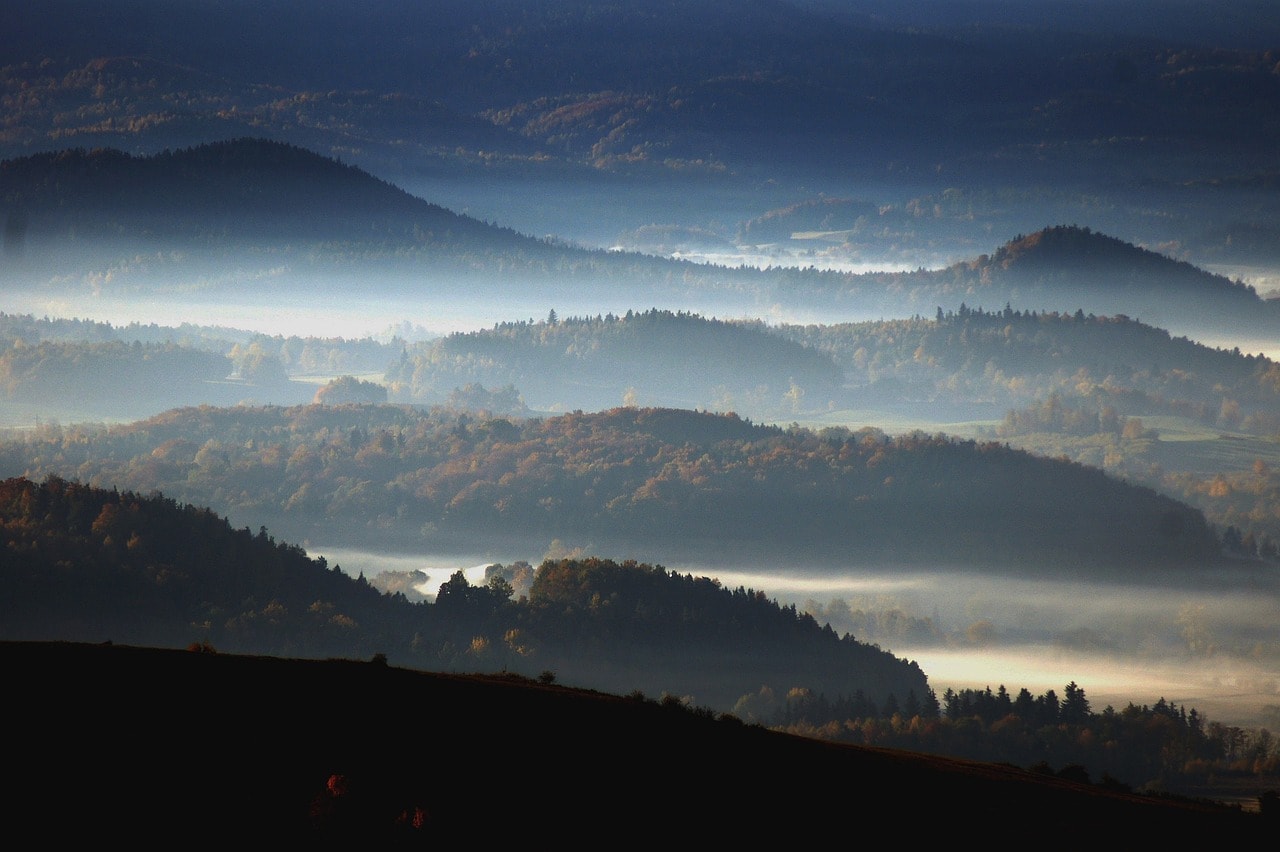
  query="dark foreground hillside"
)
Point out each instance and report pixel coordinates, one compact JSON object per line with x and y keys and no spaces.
{"x":131,"y":744}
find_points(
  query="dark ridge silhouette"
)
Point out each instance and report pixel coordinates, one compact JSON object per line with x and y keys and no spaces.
{"x":240,"y":189}
{"x":145,"y":745}
{"x":1068,"y":254}
{"x":86,"y":563}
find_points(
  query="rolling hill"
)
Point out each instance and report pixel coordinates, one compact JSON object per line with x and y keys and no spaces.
{"x":94,"y":564}
{"x":150,"y":744}
{"x":215,"y":746}
{"x":674,"y":485}
{"x":252,"y":219}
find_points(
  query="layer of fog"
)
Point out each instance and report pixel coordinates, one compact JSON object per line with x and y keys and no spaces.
{"x":1212,"y":646}
{"x":341,"y":316}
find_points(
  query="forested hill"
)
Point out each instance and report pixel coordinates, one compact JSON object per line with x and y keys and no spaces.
{"x":1069,"y":268}
{"x":238,"y":190}
{"x":90,"y":564}
{"x":992,"y":360}
{"x":1086,"y":261}
{"x":257,"y":214}
{"x":668,"y":484}
{"x":644,"y":358}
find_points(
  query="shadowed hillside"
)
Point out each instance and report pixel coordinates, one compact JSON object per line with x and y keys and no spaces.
{"x":138,"y":744}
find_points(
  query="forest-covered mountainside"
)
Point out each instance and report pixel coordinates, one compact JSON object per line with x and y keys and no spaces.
{"x":347,"y":751}
{"x":656,"y":358}
{"x":990,"y":361}
{"x":230,"y":192}
{"x":145,"y":572}
{"x":92,"y":564}
{"x":669,"y":483}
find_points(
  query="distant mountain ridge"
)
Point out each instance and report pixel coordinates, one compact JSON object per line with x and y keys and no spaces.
{"x":237,"y":189}
{"x":238,"y":202}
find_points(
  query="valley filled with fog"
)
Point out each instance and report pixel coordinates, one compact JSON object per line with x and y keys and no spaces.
{"x":1201,"y":643}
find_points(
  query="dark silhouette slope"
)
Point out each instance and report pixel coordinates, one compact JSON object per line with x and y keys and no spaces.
{"x":139,"y":745}
{"x":224,"y":193}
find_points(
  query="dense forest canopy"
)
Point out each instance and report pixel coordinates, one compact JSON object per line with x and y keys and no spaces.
{"x":92,"y":564}
{"x":1004,"y":358}
{"x":678,"y":482}
{"x":640,"y":358}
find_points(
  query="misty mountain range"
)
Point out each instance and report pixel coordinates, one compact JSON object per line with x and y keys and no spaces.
{"x":953,"y":360}
{"x":294,"y":222}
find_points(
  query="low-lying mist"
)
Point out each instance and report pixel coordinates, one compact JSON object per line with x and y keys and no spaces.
{"x":1208,"y":643}
{"x":1204,"y":645}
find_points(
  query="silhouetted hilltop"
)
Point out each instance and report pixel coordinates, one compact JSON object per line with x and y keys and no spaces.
{"x":241,"y":189}
{"x":1082,"y":259}
{"x":1069,"y":268}
{"x":86,"y":564}
{"x":144,"y":744}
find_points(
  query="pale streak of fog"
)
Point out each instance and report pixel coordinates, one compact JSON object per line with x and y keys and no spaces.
{"x":1213,"y":650}
{"x":318,"y":317}
{"x":366,"y":318}
{"x":788,"y":261}
{"x":334,"y":313}
{"x":437,"y":567}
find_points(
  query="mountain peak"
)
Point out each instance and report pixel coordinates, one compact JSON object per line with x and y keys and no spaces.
{"x":1070,"y":244}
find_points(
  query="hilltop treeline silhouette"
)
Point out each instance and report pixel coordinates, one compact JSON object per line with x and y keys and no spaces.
{"x":90,"y":564}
